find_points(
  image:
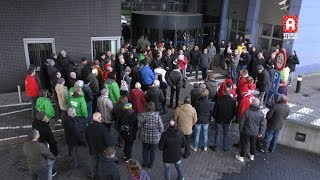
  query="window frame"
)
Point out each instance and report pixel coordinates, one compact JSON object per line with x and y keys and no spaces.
{"x":27,"y":41}
{"x":107,"y":38}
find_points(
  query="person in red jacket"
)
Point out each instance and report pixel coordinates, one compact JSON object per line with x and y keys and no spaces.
{"x":137,"y":98}
{"x":183,"y":62}
{"x":224,"y":85}
{"x":241,"y":81}
{"x":32,"y":88}
{"x":107,"y":68}
{"x":246,"y":87}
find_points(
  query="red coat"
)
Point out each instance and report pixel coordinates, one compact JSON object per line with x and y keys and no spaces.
{"x":244,"y":104}
{"x":183,"y":63}
{"x":245,"y":89}
{"x":223,"y":87}
{"x":137,"y":99}
{"x":106,"y":72}
{"x":32,"y":87}
{"x":242,"y":81}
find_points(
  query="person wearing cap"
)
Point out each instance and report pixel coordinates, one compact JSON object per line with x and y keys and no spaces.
{"x":43,"y":104}
{"x":105,"y":107}
{"x":137,"y":98}
{"x":98,"y":138}
{"x":128,"y":126}
{"x":62,"y":94}
{"x":263,"y":83}
{"x":276,"y":117}
{"x":185,"y":117}
{"x":171,"y":143}
{"x":155,"y":95}
{"x":32,"y":89}
{"x":37,"y":156}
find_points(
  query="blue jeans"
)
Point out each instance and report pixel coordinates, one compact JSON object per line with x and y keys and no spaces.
{"x":149,"y":148}
{"x":290,"y":78}
{"x":89,"y":107}
{"x":179,"y":169}
{"x":271,"y":138}
{"x":50,"y":167}
{"x":40,"y":175}
{"x":197,"y":128}
{"x":234,"y":74}
{"x":242,"y":67}
{"x":225,"y":130}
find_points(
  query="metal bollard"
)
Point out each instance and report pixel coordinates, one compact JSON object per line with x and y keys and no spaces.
{"x":299,"y":80}
{"x":19,"y":94}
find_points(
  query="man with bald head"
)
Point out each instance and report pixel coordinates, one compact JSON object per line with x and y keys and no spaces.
{"x":252,"y":125}
{"x":98,"y":138}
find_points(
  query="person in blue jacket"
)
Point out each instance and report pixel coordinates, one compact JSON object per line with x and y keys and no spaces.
{"x":147,"y":76}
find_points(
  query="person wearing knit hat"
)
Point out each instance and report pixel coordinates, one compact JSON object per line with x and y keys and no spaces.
{"x":128,"y":126}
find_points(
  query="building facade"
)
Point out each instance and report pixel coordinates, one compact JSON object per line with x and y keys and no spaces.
{"x":32,"y":30}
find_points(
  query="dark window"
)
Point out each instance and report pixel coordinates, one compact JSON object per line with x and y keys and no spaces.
{"x":39,"y":52}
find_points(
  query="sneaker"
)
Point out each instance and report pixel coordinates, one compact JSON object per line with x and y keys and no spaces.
{"x":251,"y":156}
{"x":54,"y":172}
{"x":193,"y":148}
{"x":205,"y":148}
{"x":241,"y":159}
{"x":225,"y":149}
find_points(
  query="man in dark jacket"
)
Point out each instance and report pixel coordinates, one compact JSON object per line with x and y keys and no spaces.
{"x":37,"y":156}
{"x":205,"y":62}
{"x":252,"y":125}
{"x":171,"y":143}
{"x":194,"y":60}
{"x":167,"y":61}
{"x":203,"y":107}
{"x":97,"y":138}
{"x":46,"y":136}
{"x":291,"y":63}
{"x":155,"y":95}
{"x":66,"y":64}
{"x":176,"y":80}
{"x":195,"y":93}
{"x":108,"y":165}
{"x":263,"y":83}
{"x":275,"y":120}
{"x":224,"y":112}
{"x":245,"y":59}
{"x":135,"y":74}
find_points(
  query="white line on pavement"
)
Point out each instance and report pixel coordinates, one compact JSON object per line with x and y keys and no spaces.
{"x":20,"y":127}
{"x":23,"y":136}
{"x":10,"y":105}
{"x":22,"y":110}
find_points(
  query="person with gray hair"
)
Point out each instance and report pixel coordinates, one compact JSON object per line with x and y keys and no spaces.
{"x":137,"y":98}
{"x":74,"y":138}
{"x":276,"y":117}
{"x":37,"y":157}
{"x":77,"y":84}
{"x":252,"y":125}
{"x":105,"y":107}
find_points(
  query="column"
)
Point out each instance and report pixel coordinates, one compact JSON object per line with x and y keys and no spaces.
{"x":252,"y":20}
{"x":223,"y":20}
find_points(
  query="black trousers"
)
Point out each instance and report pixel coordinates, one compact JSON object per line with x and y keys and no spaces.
{"x":187,"y":147}
{"x":127,"y":148}
{"x":191,"y":68}
{"x":177,"y":91}
{"x":244,"y":140}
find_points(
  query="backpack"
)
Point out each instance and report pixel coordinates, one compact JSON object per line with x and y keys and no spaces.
{"x":124,"y":85}
{"x":125,"y":129}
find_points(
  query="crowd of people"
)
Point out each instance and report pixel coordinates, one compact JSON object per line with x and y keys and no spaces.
{"x":127,"y":92}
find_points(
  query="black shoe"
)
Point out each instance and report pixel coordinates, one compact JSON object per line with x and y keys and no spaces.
{"x":225,"y":149}
{"x":184,"y":86}
{"x":237,"y":145}
{"x":186,"y":156}
{"x":213,"y":148}
{"x":144,"y":165}
{"x":54,"y":172}
{"x":170,"y":106}
{"x":149,"y":166}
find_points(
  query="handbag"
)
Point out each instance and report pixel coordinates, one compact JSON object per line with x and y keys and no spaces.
{"x":124,"y":84}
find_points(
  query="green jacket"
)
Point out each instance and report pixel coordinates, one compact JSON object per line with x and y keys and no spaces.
{"x":71,"y":91}
{"x":80,"y":105}
{"x":114,"y":90}
{"x":43,"y":104}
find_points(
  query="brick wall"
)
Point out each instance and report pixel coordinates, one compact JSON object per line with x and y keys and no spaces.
{"x":71,"y":22}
